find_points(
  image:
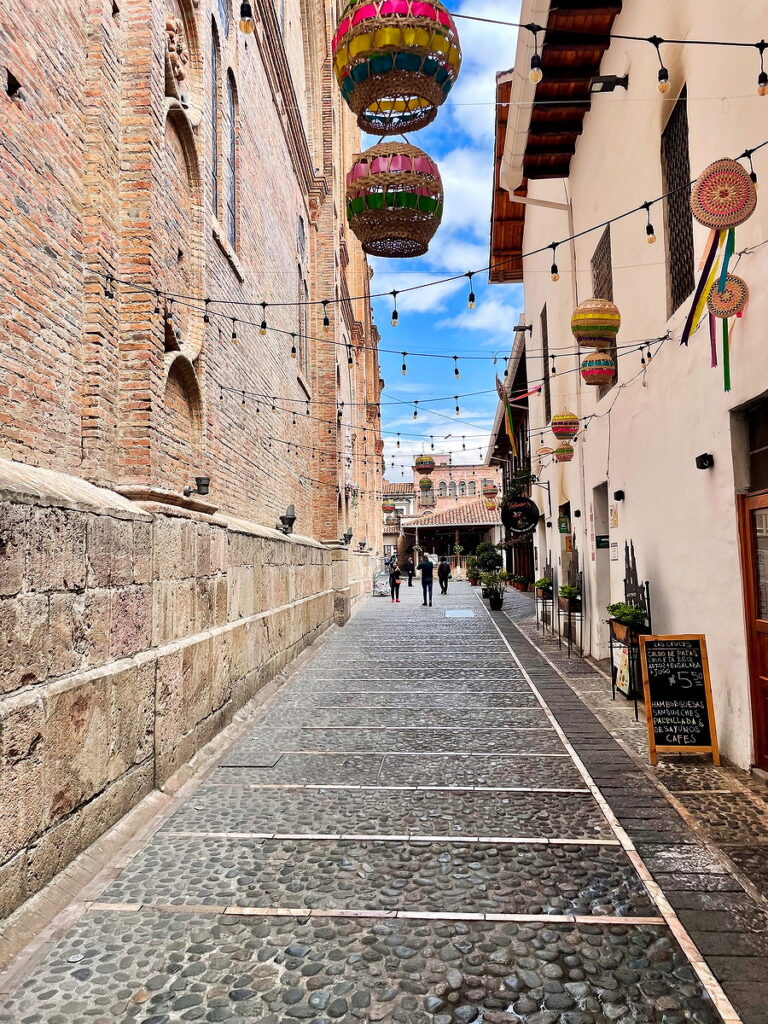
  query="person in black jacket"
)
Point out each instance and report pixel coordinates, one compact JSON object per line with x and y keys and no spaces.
{"x":410,"y":570}
{"x":394,"y":580}
{"x":443,"y":574}
{"x":426,"y":569}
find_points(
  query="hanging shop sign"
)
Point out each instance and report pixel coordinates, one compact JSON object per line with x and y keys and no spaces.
{"x":678,"y":696}
{"x":602,"y":542}
{"x":563,"y":524}
{"x":520,"y":515}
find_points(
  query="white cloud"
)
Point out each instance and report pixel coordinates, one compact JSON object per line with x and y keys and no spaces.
{"x":493,"y":317}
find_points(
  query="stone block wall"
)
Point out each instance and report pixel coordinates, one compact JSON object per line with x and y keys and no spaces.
{"x":129,"y":637}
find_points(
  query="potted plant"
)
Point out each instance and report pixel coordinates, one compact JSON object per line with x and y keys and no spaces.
{"x":569,"y":598}
{"x":544,"y":588}
{"x":488,"y":557}
{"x":493,"y":588}
{"x":626,"y":620}
{"x":518,"y":582}
{"x":473,"y":573}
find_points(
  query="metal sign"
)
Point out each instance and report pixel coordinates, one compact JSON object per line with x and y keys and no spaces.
{"x":520,"y":515}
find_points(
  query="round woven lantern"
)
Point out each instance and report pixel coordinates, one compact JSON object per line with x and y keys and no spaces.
{"x":723,"y":196}
{"x":564,"y":452}
{"x":595,"y":323}
{"x":565,"y":426}
{"x":731,"y":300}
{"x":424,"y":464}
{"x":490,"y":490}
{"x":598,"y":370}
{"x":425,"y":484}
{"x":394,"y":200}
{"x":395,"y":62}
{"x":490,"y":504}
{"x":387,"y":507}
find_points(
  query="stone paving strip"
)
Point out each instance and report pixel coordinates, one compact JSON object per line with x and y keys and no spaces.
{"x":426,"y":718}
{"x":166,"y":967}
{"x":430,"y":812}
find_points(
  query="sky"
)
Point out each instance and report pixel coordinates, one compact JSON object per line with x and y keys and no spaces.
{"x":438,"y":319}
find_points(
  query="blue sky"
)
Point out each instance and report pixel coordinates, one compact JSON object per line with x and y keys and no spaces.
{"x":437,"y":319}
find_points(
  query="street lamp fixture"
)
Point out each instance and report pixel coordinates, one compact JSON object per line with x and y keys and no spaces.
{"x":286,"y":521}
{"x":202,"y":486}
{"x":607,"y":83}
{"x":346,"y":537}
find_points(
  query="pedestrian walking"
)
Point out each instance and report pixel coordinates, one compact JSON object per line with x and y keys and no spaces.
{"x":443,"y":574}
{"x":394,"y":581}
{"x":410,"y":571}
{"x":426,"y":569}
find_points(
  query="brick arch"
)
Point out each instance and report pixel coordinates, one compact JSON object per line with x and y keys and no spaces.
{"x":180,"y":425}
{"x":181,"y":237}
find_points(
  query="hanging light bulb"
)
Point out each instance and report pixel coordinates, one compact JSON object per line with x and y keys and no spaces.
{"x":456,"y":372}
{"x":663,"y":83}
{"x":243,"y":402}
{"x":234,"y":329}
{"x":456,"y":399}
{"x":206,"y":315}
{"x":535,"y":75}
{"x":326,"y":318}
{"x":554,"y":368}
{"x":432,"y":442}
{"x":649,"y":230}
{"x":416,"y":410}
{"x":109,"y":292}
{"x":553,"y":270}
{"x":293,"y":346}
{"x":350,"y":360}
{"x":404,"y":368}
{"x":398,"y":441}
{"x":246,"y":24}
{"x":395,"y":314}
{"x":762,"y":78}
{"x":307,"y":407}
{"x":471,"y":298}
{"x":263,"y":326}
{"x":157,"y":304}
{"x":169,"y":311}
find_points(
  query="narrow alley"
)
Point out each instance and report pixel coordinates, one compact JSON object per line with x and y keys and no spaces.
{"x":427,"y":826}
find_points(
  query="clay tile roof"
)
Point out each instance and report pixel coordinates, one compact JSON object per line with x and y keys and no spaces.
{"x":400,"y":488}
{"x":474,"y":513}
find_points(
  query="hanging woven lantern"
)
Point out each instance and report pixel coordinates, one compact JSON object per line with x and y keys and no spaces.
{"x":490,"y":504}
{"x":424,"y":464}
{"x":387,"y":507}
{"x":565,"y":426}
{"x":595,"y":323}
{"x":490,"y":490}
{"x":564,"y":452}
{"x":425,"y":484}
{"x":395,"y":62}
{"x":598,"y":370}
{"x":394,"y":200}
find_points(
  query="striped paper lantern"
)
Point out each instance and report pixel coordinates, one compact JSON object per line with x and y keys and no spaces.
{"x":564,"y":452}
{"x":424,"y":464}
{"x":565,"y":425}
{"x":490,"y":490}
{"x":425,"y":484}
{"x":387,"y":507}
{"x":595,"y":323}
{"x":598,"y":370}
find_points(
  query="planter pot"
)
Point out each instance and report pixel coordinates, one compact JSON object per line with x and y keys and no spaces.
{"x":472,"y":583}
{"x":522,"y":587}
{"x":625,"y":634}
{"x":572,"y":604}
{"x":543,"y":595}
{"x":496,"y":603}
{"x":484,"y":592}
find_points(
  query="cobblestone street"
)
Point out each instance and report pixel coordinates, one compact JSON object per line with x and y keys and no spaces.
{"x":426,"y":826}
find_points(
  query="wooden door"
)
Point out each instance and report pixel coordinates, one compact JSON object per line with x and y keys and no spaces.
{"x":754,"y":547}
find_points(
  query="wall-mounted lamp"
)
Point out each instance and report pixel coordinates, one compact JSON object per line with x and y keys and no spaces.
{"x":362,"y":544}
{"x":577,"y":514}
{"x":346,"y":537}
{"x":618,"y":495}
{"x":202,"y":486}
{"x":286,"y":521}
{"x":522,"y":328}
{"x":705,"y":461}
{"x":607,"y":83}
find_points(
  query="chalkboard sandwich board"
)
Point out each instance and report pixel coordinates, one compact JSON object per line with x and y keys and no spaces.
{"x":678,"y":696}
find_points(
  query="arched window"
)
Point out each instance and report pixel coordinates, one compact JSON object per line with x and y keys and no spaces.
{"x":223,"y":6}
{"x":472,"y":489}
{"x":214,"y":119}
{"x":462,"y":489}
{"x":230,"y":161}
{"x":442,"y":490}
{"x":452,"y":489}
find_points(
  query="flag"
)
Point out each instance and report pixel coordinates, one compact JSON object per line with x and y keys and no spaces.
{"x":504,"y":399}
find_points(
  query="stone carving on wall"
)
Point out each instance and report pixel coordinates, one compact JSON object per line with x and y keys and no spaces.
{"x":176,"y":58}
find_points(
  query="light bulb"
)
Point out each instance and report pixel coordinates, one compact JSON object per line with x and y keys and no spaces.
{"x":554,"y":272}
{"x":246,"y":18}
{"x":263,"y":328}
{"x":471,"y":301}
{"x":663,"y":86}
{"x":395,"y":317}
{"x":293,"y":352}
{"x":650,"y":233}
{"x":762,"y":84}
{"x":536,"y":74}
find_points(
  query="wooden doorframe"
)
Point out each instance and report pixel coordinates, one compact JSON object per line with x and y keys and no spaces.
{"x":746,"y":504}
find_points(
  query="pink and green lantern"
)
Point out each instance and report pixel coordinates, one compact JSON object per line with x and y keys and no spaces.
{"x":424,"y":464}
{"x":564,"y":452}
{"x":395,"y":62}
{"x":490,"y":490}
{"x":425,"y":485}
{"x":598,"y":370}
{"x":565,"y":426}
{"x":388,"y":508}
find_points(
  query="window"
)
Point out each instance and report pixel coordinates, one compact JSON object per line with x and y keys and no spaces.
{"x":230,"y":165}
{"x":442,"y":490}
{"x":676,"y":168}
{"x":602,"y":288}
{"x":472,"y":488}
{"x":462,"y":489}
{"x":757,"y":424}
{"x":214,"y":120}
{"x":545,"y":364}
{"x":452,"y":489}
{"x":302,"y":324}
{"x":223,"y":7}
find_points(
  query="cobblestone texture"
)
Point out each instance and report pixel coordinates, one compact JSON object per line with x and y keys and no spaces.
{"x":149,"y":951}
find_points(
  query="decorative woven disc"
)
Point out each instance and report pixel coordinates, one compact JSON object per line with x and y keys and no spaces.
{"x":724,"y":195}
{"x":595,"y":323}
{"x":731,"y":300}
{"x":597,"y":370}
